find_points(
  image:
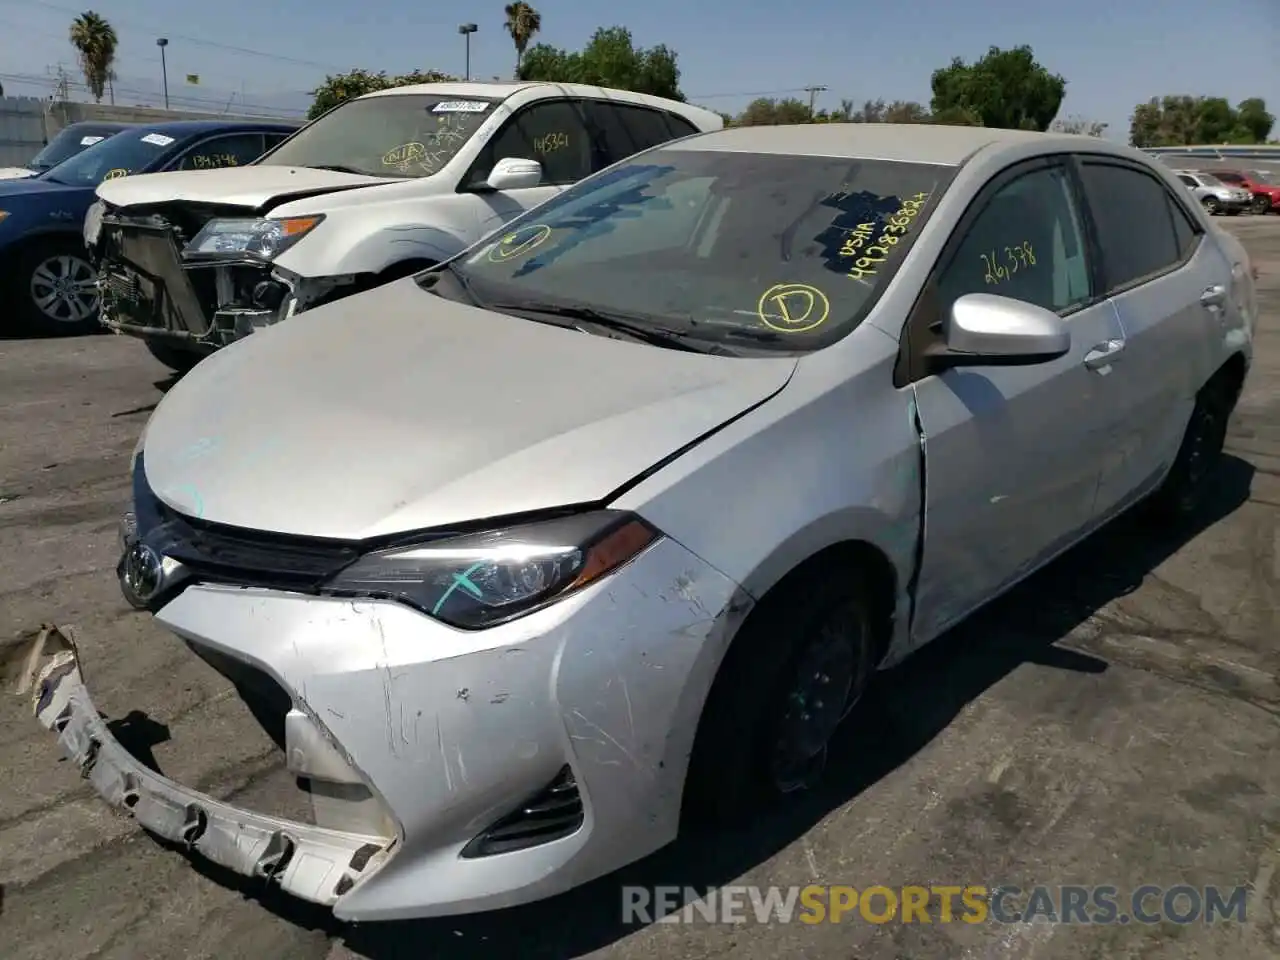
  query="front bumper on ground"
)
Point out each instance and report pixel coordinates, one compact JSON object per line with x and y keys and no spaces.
{"x":452,"y":732}
{"x":309,"y":862}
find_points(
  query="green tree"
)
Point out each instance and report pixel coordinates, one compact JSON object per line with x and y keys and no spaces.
{"x":95,"y":42}
{"x":610,"y":59}
{"x":356,"y":83}
{"x":1253,"y":119}
{"x":765,"y":112}
{"x":523,"y":23}
{"x":1005,"y":88}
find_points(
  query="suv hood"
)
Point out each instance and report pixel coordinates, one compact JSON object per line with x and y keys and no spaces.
{"x":250,"y":186}
{"x":397,"y":410}
{"x":15,"y":173}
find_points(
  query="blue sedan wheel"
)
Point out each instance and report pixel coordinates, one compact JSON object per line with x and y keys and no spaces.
{"x":62,"y":291}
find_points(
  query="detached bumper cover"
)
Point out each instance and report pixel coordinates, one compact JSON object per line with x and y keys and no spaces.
{"x":311,"y":863}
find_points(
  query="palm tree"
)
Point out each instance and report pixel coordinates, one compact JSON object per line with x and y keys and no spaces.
{"x":522,"y":23}
{"x":95,"y":42}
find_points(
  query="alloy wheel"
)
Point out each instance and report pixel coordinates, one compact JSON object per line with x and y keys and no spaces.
{"x":64,"y":288}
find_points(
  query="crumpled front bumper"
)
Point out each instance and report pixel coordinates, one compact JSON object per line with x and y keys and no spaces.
{"x":452,"y":732}
{"x":312,"y":863}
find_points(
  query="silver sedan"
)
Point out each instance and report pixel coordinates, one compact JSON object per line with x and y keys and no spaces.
{"x":605,"y":524}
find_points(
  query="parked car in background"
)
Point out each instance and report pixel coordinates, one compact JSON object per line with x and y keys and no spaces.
{"x":69,"y":141}
{"x":1261,"y":186}
{"x":608,"y":522}
{"x":380,"y":187}
{"x":1214,"y":195}
{"x":46,"y":279}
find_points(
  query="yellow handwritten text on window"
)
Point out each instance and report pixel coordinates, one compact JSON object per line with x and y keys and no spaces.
{"x":213,"y":160}
{"x":551,"y":143}
{"x":1001,"y":265}
{"x":859,"y":242}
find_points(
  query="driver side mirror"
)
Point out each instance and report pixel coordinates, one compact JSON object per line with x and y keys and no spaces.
{"x":514,"y":173}
{"x":985,"y":330}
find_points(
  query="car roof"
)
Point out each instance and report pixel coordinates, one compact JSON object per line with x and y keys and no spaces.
{"x":179,"y":129}
{"x":501,"y":90}
{"x":896,"y":142}
{"x":98,"y":125}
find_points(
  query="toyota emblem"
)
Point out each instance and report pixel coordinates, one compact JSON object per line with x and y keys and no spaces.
{"x":140,"y":573}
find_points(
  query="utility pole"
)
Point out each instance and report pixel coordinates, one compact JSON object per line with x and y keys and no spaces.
{"x":813,"y":96}
{"x":467,"y":29}
{"x":164,"y":69}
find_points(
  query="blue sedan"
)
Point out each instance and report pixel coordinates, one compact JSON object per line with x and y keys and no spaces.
{"x":46,"y":281}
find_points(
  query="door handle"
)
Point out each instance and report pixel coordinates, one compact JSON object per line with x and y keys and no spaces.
{"x":1214,"y":296}
{"x":1102,"y":355}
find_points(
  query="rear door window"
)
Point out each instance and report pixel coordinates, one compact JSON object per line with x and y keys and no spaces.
{"x":624,"y":130}
{"x":1134,"y":219}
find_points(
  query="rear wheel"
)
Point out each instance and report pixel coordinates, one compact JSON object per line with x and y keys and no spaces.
{"x":1212,"y":206}
{"x":55,"y":289}
{"x":795,"y":670}
{"x":175,"y":358}
{"x":1192,"y":472}
{"x":1261,"y":204}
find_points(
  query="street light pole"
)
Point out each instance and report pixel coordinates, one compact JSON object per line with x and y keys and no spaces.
{"x":467,"y":29}
{"x":164,"y":69}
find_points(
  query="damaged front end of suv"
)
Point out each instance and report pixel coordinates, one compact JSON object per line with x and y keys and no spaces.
{"x":198,"y":276}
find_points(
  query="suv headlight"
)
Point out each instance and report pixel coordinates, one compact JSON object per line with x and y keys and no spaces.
{"x":263,"y":238}
{"x":479,"y":580}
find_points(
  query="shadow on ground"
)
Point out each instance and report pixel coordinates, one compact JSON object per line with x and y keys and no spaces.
{"x":911,"y":705}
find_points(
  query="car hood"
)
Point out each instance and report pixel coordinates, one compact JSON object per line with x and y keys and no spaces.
{"x":16,"y":173}
{"x":250,"y":186}
{"x":37,"y":187}
{"x":397,"y":410}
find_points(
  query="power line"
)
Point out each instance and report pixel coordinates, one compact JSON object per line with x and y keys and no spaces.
{"x":813,"y":92}
{"x":757,"y":93}
{"x":197,"y":41}
{"x":178,"y":100}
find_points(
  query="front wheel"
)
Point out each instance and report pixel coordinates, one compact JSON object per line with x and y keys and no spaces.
{"x":796,"y":669}
{"x":1212,"y":206}
{"x":56,"y":290}
{"x":175,"y":358}
{"x":1261,"y":204}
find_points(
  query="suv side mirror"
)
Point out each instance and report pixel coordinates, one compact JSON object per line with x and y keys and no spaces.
{"x":514,"y":173}
{"x":985,"y":330}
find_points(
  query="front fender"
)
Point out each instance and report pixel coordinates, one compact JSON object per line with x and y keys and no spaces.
{"x":25,"y":238}
{"x":373,"y":252}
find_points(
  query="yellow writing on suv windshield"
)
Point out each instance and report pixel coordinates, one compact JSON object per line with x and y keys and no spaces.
{"x":793,"y":307}
{"x":871,"y":253}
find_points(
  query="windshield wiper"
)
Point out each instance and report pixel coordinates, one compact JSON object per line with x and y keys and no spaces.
{"x":629,"y":324}
{"x":335,"y":167}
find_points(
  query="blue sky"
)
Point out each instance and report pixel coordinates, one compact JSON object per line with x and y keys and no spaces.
{"x":1113,"y":54}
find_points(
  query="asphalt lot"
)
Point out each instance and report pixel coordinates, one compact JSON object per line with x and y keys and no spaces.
{"x":1116,"y":720}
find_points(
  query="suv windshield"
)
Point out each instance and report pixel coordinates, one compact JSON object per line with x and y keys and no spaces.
{"x":1209,"y":180}
{"x":395,"y":135}
{"x":66,"y":144}
{"x":118,"y":156}
{"x":781,"y":253}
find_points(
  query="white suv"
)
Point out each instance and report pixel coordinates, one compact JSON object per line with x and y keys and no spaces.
{"x":380,"y":187}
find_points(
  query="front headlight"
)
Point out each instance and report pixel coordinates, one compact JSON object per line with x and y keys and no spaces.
{"x":479,"y":580}
{"x":93,"y":222}
{"x":264,"y":238}
{"x":3,"y":214}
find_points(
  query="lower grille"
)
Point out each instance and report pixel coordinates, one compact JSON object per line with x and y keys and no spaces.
{"x":555,"y":812}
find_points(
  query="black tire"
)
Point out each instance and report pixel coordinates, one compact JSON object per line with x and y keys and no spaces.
{"x":174,"y":357}
{"x":49,"y":285}
{"x":822,"y":619}
{"x":1184,"y":489}
{"x":1212,"y":206}
{"x":1234,"y":212}
{"x":1261,"y":204}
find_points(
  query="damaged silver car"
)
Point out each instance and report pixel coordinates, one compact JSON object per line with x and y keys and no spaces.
{"x":607,"y":522}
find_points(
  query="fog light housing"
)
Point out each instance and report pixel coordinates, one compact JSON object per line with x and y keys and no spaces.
{"x":269,"y":294}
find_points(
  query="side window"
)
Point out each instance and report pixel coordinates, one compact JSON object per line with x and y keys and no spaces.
{"x":626,"y":130}
{"x":1134,"y":220}
{"x":1189,"y":181}
{"x":231,"y":151}
{"x":1026,"y":243}
{"x":680,"y":127}
{"x":1184,"y":228}
{"x":1233,"y":178}
{"x":551,"y":133}
{"x":272,"y":140}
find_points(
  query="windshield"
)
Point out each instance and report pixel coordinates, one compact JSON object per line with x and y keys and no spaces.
{"x":1264,"y":177}
{"x":398,"y":135}
{"x":118,"y":156}
{"x":66,"y":144}
{"x":1209,"y":180}
{"x":786,"y":253}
